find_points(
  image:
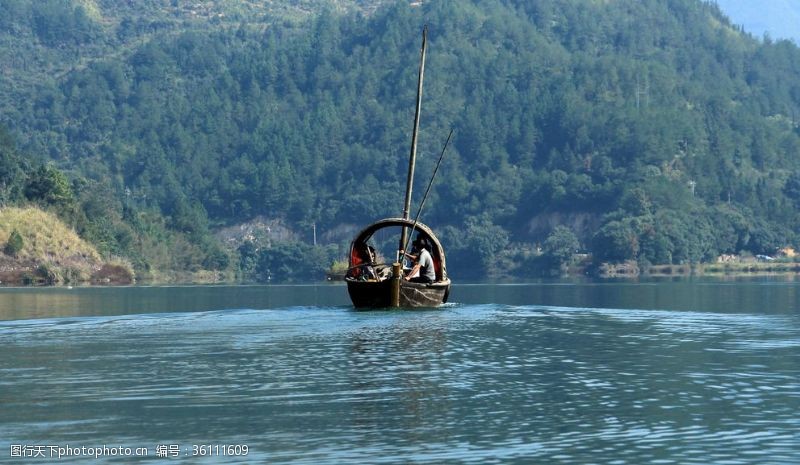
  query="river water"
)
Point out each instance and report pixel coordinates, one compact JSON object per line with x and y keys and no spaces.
{"x":688,"y":372}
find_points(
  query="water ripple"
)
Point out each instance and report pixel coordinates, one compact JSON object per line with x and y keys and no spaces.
{"x":466,"y":384}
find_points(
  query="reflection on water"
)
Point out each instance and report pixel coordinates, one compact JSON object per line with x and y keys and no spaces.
{"x":735,"y":296}
{"x":27,"y":303}
{"x":502,"y":382}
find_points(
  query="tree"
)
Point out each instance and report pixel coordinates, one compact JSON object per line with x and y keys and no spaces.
{"x":792,"y":188}
{"x":616,"y":241}
{"x":559,"y":247}
{"x":473,"y":249}
{"x":12,"y":174}
{"x":293,"y":261}
{"x":14,"y":244}
{"x":49,"y":186}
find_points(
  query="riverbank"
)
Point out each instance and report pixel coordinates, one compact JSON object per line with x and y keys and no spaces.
{"x":39,"y":249}
{"x":44,"y":274}
{"x":750,"y":268}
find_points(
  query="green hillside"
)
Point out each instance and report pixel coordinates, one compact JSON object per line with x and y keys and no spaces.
{"x":652,"y":130}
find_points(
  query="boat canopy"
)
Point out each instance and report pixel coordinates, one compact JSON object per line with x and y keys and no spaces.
{"x":360,"y":253}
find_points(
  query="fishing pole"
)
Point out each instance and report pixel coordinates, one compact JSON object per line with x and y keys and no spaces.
{"x":427,"y":191}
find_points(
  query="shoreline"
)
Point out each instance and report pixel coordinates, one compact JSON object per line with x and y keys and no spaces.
{"x":717,"y":271}
{"x":631,"y":269}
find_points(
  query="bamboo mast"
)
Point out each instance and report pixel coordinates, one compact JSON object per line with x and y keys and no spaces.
{"x":413,"y":155}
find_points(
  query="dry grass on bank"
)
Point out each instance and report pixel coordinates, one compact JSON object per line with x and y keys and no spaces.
{"x":52,"y":253}
{"x":45,"y":238}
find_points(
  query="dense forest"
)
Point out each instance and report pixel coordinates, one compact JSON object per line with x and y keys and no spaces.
{"x":647,"y":130}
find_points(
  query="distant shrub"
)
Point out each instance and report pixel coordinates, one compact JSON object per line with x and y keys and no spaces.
{"x":48,"y":274}
{"x":28,"y":278}
{"x":14,"y":244}
{"x":114,"y":273}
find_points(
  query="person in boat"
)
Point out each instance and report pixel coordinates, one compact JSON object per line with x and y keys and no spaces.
{"x":423,"y":271}
{"x":365,"y":271}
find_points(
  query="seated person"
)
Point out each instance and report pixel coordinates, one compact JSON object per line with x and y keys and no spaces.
{"x":423,"y":271}
{"x":365,"y":270}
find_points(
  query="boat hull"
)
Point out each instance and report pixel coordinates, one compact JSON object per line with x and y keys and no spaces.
{"x":377,"y":294}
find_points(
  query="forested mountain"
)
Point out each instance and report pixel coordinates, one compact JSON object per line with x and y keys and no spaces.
{"x":779,"y":19}
{"x":652,"y":129}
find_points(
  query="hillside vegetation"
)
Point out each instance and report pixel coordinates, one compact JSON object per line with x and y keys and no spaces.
{"x":45,"y":237}
{"x":47,"y":251}
{"x":648,"y":130}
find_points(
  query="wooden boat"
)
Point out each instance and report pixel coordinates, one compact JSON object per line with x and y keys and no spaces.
{"x":374,"y":284}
